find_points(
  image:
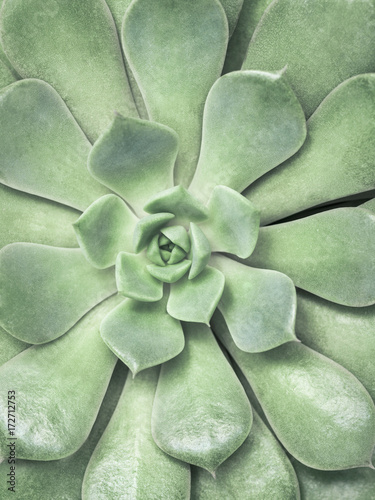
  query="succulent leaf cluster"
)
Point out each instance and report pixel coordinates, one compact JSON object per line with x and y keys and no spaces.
{"x":187,"y":263}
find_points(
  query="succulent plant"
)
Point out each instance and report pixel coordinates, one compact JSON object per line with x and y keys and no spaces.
{"x":169,"y":218}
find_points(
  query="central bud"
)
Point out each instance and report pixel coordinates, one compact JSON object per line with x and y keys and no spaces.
{"x":170,"y":246}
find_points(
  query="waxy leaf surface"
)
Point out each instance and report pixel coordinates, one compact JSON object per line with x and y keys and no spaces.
{"x":52,"y":287}
{"x":189,"y":420}
{"x":76,"y":50}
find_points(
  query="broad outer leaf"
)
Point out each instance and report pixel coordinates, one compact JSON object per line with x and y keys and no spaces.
{"x":46,"y":290}
{"x":344,"y":334}
{"x":252,"y":122}
{"x":104,"y":230}
{"x":57,"y":403}
{"x":233,"y":223}
{"x":196,"y":299}
{"x":135,"y":158}
{"x":133,"y":279}
{"x":179,"y":202}
{"x":354,"y":484}
{"x":76,"y":50}
{"x":259,"y":306}
{"x":330,"y":254}
{"x":336,"y":159}
{"x":322,"y":42}
{"x":161,"y":42}
{"x":43,"y":150}
{"x":232,"y":10}
{"x":190,"y":421}
{"x":127,"y":463}
{"x":47,"y":480}
{"x":318,"y":410}
{"x":142,"y":334}
{"x":259,"y":469}
{"x":27,"y":218}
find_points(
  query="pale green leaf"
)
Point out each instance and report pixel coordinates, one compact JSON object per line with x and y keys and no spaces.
{"x":161,"y":41}
{"x":126,"y":460}
{"x":77,"y":51}
{"x":330,"y":254}
{"x":319,"y":411}
{"x":135,"y":159}
{"x":43,"y":150}
{"x":259,"y":306}
{"x":322,"y":42}
{"x":170,"y":273}
{"x":200,"y":251}
{"x":133,"y":279}
{"x":335,"y":161}
{"x":57,"y":403}
{"x":104,"y":230}
{"x":46,"y":290}
{"x":190,"y":421}
{"x":196,"y":299}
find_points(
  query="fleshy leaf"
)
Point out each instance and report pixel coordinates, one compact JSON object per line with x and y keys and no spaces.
{"x":153,"y":251}
{"x":31,"y":219}
{"x":104,"y":230}
{"x":369,"y":205}
{"x":175,"y":82}
{"x":178,"y":236}
{"x":47,"y":480}
{"x":43,"y":150}
{"x":322,"y":43}
{"x":135,"y":158}
{"x":233,"y":223}
{"x":57,"y":403}
{"x":335,"y":161}
{"x":259,"y":469}
{"x":344,"y":334}
{"x":46,"y":290}
{"x":56,"y":44}
{"x":147,"y":227}
{"x":354,"y":484}
{"x":170,"y":273}
{"x":252,"y":122}
{"x":133,"y":279}
{"x":319,"y":411}
{"x":258,"y":305}
{"x":142,"y":334}
{"x":330,"y":254}
{"x":127,"y":460}
{"x":190,"y":421}
{"x":200,"y":251}
{"x":177,"y":254}
{"x":178,"y":201}
{"x":196,"y":299}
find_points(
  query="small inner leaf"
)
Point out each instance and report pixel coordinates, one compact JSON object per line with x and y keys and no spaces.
{"x":133,"y":279}
{"x":142,"y":334}
{"x":178,"y":201}
{"x":170,"y":273}
{"x":233,"y":223}
{"x":135,"y":158}
{"x":153,"y":251}
{"x":258,"y":305}
{"x":146,"y":229}
{"x":200,"y":251}
{"x":178,"y":236}
{"x":105,"y":229}
{"x":177,"y":254}
{"x":196,"y":300}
